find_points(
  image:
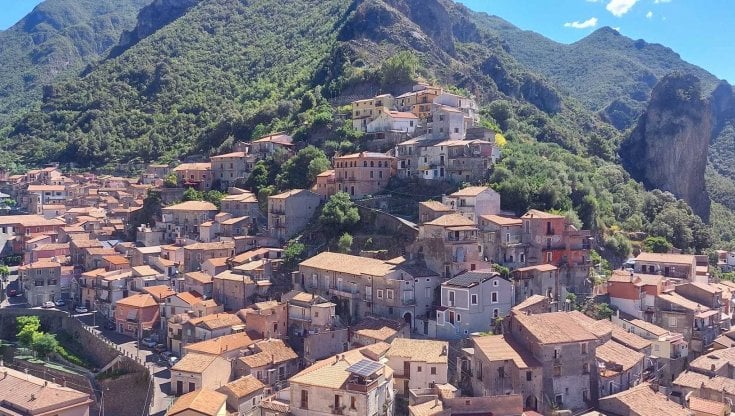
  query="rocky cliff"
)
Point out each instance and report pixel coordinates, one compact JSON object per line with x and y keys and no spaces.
{"x":668,"y":147}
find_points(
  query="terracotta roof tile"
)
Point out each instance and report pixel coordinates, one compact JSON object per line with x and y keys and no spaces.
{"x":204,"y":402}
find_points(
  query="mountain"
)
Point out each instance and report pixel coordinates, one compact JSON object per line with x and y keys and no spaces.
{"x":191,"y":79}
{"x":606,"y":71}
{"x":57,"y":39}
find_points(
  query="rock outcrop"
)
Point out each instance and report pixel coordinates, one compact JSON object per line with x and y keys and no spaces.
{"x":668,"y":148}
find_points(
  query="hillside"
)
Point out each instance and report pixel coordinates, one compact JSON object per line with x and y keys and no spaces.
{"x":58,"y":38}
{"x":229,"y":70}
{"x":606,"y":71}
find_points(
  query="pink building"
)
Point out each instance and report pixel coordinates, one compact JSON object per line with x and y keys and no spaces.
{"x":363,"y":173}
{"x":137,"y":315}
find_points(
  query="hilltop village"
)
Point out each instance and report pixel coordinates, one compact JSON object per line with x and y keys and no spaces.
{"x":470,"y":310}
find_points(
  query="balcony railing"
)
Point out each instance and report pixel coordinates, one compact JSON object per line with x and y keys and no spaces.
{"x":362,"y":387}
{"x":345,"y":293}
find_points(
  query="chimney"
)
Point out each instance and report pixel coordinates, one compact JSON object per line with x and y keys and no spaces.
{"x":444,"y":350}
{"x":436,"y":401}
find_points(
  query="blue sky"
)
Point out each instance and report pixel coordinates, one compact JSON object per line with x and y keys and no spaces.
{"x":701,"y":31}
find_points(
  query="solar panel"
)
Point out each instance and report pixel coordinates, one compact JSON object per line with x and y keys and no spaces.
{"x":364,"y":368}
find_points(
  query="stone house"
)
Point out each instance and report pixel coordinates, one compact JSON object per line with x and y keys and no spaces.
{"x":377,"y":330}
{"x":473,"y":202}
{"x":664,"y":343}
{"x":199,"y":371}
{"x":195,"y":175}
{"x":431,"y":210}
{"x":449,"y":246}
{"x":501,"y":240}
{"x":230,"y":167}
{"x":551,"y":239}
{"x":642,"y":400}
{"x":364,"y":173}
{"x":210,"y":326}
{"x":542,"y":279}
{"x":266,"y":319}
{"x":495,"y":365}
{"x":40,"y":281}
{"x":471,"y":302}
{"x":620,"y":367}
{"x":270,"y":360}
{"x":348,"y":383}
{"x":244,"y":394}
{"x":267,"y":145}
{"x":467,"y":105}
{"x":448,"y":123}
{"x":566,"y":351}
{"x":234,"y":291}
{"x":137,"y":315}
{"x":418,"y":364}
{"x":240,"y":203}
{"x":697,"y":323}
{"x":326,"y":184}
{"x":183,"y":220}
{"x":289,"y":212}
{"x":199,"y":282}
{"x":197,"y":253}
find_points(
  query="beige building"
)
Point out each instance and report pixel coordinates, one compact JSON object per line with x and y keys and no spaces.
{"x":202,"y":402}
{"x":418,"y":364}
{"x":197,"y":253}
{"x":366,"y":111}
{"x":270,"y":360}
{"x":240,"y":203}
{"x":232,"y":290}
{"x":473,"y":202}
{"x":230,"y":167}
{"x":679,"y":266}
{"x":289,"y":212}
{"x":244,"y":394}
{"x":197,"y":175}
{"x":348,"y":383}
{"x":199,"y":371}
{"x":183,"y":220}
{"x":41,"y":282}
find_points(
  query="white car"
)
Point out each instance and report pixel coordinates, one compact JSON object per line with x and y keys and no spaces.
{"x":80,"y":309}
{"x":48,"y":304}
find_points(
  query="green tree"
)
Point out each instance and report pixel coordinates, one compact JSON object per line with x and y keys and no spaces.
{"x":171,"y":181}
{"x":27,"y":327}
{"x":300,"y":171}
{"x":214,"y":197}
{"x":399,"y":69}
{"x":293,"y":254}
{"x":44,"y":344}
{"x":656,"y":245}
{"x":602,"y":311}
{"x":344,"y":245}
{"x":572,"y":298}
{"x":259,"y":178}
{"x":339,"y":214}
{"x":4,"y":271}
{"x":191,"y":194}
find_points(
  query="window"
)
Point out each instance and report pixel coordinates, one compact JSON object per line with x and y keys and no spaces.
{"x":548,"y":257}
{"x":529,"y":375}
{"x":418,"y":369}
{"x":456,"y":130}
{"x":451,"y":297}
{"x":180,"y":387}
{"x":353,"y":403}
{"x":493,"y":297}
{"x":380,"y":293}
{"x":557,"y":371}
{"x":474,"y":299}
{"x":495,"y":282}
{"x":496,"y":313}
{"x":337,"y":400}
{"x":389,"y":294}
{"x":557,"y":353}
{"x":501,"y":372}
{"x":433,"y":371}
{"x":585,"y":368}
{"x":304,"y":399}
{"x":672,"y":322}
{"x":192,"y":386}
{"x":559,"y":401}
{"x":584,"y":348}
{"x":459,"y":317}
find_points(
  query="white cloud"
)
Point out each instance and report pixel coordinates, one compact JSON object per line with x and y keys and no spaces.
{"x":616,"y":28}
{"x":620,"y":7}
{"x":661,"y":1}
{"x":591,"y":22}
{"x":649,"y":14}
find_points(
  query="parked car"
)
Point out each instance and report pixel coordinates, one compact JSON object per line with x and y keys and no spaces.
{"x":80,"y":309}
{"x":60,"y":302}
{"x":12,"y":292}
{"x":159,"y":348}
{"x":172,"y":360}
{"x":48,"y":304}
{"x":148,"y":343}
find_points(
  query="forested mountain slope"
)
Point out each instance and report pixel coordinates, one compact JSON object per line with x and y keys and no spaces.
{"x":59,"y":37}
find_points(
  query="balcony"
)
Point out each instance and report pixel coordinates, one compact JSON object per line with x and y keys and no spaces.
{"x":345,"y":293}
{"x":409,"y":302}
{"x":277,"y":211}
